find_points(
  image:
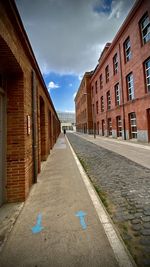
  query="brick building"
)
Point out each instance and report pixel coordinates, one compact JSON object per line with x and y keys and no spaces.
{"x":84,"y":122}
{"x":120,"y":85}
{"x":29,"y":125}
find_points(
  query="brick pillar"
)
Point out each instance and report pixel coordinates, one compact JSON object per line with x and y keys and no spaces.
{"x":15,"y":139}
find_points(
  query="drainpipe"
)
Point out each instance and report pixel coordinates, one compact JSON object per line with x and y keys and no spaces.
{"x":121,"y":76}
{"x":34,"y":127}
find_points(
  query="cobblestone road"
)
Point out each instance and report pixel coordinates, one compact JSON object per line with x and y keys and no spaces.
{"x":125,"y":189}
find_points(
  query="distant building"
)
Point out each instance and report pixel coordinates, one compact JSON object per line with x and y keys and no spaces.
{"x":84,"y":118}
{"x":67,"y":120}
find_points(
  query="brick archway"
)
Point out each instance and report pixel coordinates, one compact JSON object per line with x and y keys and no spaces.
{"x":13,"y":154}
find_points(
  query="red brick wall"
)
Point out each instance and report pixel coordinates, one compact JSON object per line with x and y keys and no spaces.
{"x":84,"y":120}
{"x":139,"y":54}
{"x":17,"y":67}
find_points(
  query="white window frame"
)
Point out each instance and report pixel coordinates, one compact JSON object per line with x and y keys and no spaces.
{"x":102,"y":104}
{"x":108,"y":101}
{"x":147,"y":75}
{"x":145,"y":28}
{"x":119,"y":126}
{"x":107,"y":73}
{"x":101,"y":81}
{"x":130,"y":85}
{"x":117,"y":94}
{"x":133,"y":125}
{"x":115,"y":63}
{"x":127,"y":49}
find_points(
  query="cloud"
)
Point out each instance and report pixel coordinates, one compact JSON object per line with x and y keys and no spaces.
{"x":103,"y":6}
{"x":80,"y":77}
{"x":74,"y":95}
{"x":70,"y":84}
{"x":52,"y":85}
{"x":67,"y":36}
{"x":69,"y":111}
{"x":119,"y":8}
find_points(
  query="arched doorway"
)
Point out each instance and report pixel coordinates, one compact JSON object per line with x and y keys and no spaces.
{"x":2,"y":144}
{"x":12,"y":135}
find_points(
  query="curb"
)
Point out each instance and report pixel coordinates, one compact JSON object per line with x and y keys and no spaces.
{"x":121,"y":253}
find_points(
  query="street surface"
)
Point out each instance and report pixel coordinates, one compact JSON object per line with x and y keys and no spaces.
{"x":124,"y":186}
{"x":138,"y":152}
{"x":58,"y":225}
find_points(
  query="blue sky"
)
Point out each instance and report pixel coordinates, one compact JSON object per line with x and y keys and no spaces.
{"x":67,"y":37}
{"x":62,"y":89}
{"x":104,"y":6}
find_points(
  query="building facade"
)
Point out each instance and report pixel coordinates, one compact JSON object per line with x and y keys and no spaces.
{"x":29,"y":125}
{"x":67,"y":120}
{"x":120,"y":85}
{"x":84,"y":116}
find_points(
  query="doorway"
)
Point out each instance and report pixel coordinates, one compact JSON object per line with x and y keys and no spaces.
{"x":103,"y":127}
{"x":2,"y":145}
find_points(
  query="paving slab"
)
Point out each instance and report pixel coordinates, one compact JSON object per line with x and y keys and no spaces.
{"x":48,"y":231}
{"x":124,"y":185}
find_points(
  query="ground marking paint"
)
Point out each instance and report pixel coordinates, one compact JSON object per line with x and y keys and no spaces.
{"x":81,"y":215}
{"x":122,"y":256}
{"x":38,"y":227}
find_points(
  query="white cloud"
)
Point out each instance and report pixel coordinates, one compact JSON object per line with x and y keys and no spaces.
{"x":69,"y":111}
{"x":52,"y":85}
{"x":80,"y":77}
{"x":74,"y":95}
{"x":71,"y":33}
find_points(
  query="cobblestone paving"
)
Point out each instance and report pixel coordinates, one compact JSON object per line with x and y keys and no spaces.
{"x":126,"y":187}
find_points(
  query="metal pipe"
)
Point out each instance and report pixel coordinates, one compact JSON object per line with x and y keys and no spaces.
{"x":121,"y":76}
{"x":34,"y":127}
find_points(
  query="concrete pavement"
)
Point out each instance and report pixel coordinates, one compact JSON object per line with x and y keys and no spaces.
{"x":49,"y":231}
{"x":137,"y":152}
{"x":124,"y":187}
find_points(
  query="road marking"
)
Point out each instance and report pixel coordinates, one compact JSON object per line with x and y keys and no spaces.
{"x":81,"y":215}
{"x":121,"y":253}
{"x":38,"y":227}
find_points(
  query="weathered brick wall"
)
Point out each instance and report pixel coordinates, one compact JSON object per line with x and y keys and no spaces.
{"x":84,"y":120}
{"x":140,"y":53}
{"x":17,"y":68}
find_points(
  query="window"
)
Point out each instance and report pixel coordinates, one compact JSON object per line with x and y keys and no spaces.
{"x":127,"y":49}
{"x":115,"y":63}
{"x":145,"y":28}
{"x":130,"y":86}
{"x":101,"y":81}
{"x":98,"y":127}
{"x":96,"y":107}
{"x":96,"y":87}
{"x":109,"y":127}
{"x":133,"y":127}
{"x":147,"y":75}
{"x":107,"y":73}
{"x":102,"y":104}
{"x":119,"y":126}
{"x":117,"y":94}
{"x":108,"y":100}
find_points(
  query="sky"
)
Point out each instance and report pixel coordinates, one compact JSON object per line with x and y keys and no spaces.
{"x":67,"y":37}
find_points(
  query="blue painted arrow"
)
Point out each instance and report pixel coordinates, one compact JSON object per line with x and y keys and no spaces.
{"x":38,"y":227}
{"x":81,"y":215}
